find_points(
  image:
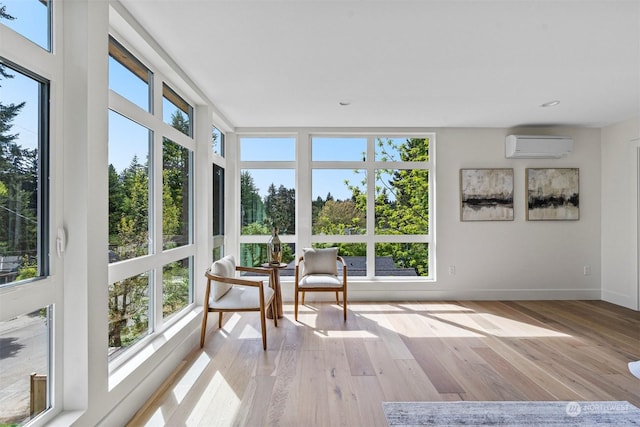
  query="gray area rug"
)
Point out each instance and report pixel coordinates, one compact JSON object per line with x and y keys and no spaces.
{"x":557,"y":413}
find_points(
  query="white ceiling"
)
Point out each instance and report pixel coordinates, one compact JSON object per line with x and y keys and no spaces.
{"x":405,"y":63}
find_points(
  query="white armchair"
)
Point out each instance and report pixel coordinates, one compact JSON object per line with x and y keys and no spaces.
{"x":317,"y":271}
{"x":227,"y":293}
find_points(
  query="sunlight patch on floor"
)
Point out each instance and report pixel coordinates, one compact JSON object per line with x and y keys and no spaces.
{"x":344,"y":334}
{"x":444,"y":329}
{"x":229,"y":323}
{"x":435,"y":308}
{"x":249,"y":332}
{"x":510,"y":328}
{"x":373,"y":308}
{"x":157,"y":419}
{"x":189,"y":378}
{"x":220,"y":409}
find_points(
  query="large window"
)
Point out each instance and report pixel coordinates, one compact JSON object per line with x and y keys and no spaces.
{"x":151,"y":244}
{"x":26,"y":287}
{"x":370,"y":197}
{"x":176,"y":111}
{"x":176,"y":195}
{"x":129,"y":188}
{"x":268,"y":196}
{"x":23,"y":175}
{"x":218,"y":168}
{"x":129,"y":77}
{"x":30,"y":18}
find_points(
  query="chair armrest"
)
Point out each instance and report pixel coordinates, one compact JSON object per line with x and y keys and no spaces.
{"x":344,"y":267}
{"x":257,"y":270}
{"x":233,"y":280}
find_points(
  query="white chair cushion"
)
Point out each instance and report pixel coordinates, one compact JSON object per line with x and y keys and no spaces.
{"x":225,"y":267}
{"x":320,"y":261}
{"x":320,"y":281}
{"x":242,"y":297}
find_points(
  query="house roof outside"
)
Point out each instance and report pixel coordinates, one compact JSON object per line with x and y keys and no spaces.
{"x":357,"y":266}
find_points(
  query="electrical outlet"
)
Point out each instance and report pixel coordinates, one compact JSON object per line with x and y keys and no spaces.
{"x":587,"y":270}
{"x":452,"y":270}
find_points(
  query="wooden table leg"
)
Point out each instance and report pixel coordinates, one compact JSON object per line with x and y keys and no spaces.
{"x":278,"y":297}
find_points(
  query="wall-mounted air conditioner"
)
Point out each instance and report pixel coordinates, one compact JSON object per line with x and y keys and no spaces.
{"x":537,"y":146}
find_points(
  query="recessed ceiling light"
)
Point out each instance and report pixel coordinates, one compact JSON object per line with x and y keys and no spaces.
{"x":344,"y":103}
{"x":550,"y":103}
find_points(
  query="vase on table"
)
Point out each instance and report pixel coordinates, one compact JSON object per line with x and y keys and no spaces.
{"x":274,"y":248}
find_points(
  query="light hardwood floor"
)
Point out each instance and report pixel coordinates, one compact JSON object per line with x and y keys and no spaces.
{"x":321,"y":371}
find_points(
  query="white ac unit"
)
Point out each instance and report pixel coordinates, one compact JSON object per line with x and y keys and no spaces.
{"x":537,"y":146}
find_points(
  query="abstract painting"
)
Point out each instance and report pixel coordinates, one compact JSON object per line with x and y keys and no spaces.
{"x":486,"y":194}
{"x":553,"y":194}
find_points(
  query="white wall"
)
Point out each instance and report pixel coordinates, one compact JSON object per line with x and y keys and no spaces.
{"x":517,"y":259}
{"x":619,"y":214}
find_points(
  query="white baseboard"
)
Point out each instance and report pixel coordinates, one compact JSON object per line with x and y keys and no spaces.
{"x":454,"y":294}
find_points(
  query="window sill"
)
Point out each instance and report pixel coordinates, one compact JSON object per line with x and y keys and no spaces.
{"x":157,"y":347}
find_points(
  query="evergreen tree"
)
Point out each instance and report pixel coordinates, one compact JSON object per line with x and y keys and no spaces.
{"x":250,"y":201}
{"x":280,"y":208}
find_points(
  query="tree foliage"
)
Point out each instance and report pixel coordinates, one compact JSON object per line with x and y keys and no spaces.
{"x":280,"y":208}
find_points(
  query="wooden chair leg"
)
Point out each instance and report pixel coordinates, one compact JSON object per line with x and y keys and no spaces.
{"x":274,"y":311}
{"x":303,"y":294}
{"x":263,"y":325}
{"x":203,"y":331}
{"x":337,"y":300}
{"x":219,"y":320}
{"x":295,"y":304}
{"x":344,"y":303}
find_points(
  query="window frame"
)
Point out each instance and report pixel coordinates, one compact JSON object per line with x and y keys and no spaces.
{"x":42,"y":65}
{"x":304,"y":165}
{"x":43,"y":178}
{"x":158,"y":257}
{"x":266,"y":165}
{"x":370,"y":165}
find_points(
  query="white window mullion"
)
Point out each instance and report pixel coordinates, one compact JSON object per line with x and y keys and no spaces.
{"x":155,"y":297}
{"x":371,"y":207}
{"x":303,"y":192}
{"x":155,"y":288}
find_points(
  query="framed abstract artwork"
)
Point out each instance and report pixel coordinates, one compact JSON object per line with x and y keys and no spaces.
{"x":486,"y":194}
{"x":553,"y":194}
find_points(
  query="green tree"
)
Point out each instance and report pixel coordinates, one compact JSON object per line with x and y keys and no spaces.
{"x":250,"y":201}
{"x":176,"y":161}
{"x":402,"y":203}
{"x":128,"y":310}
{"x":280,"y":208}
{"x":340,"y":217}
{"x":175,"y":287}
{"x":254,"y":254}
{"x":129,"y":231}
{"x":175,"y":194}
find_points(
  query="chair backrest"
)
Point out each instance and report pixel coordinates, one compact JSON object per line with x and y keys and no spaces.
{"x":225,"y":267}
{"x":319,"y":261}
